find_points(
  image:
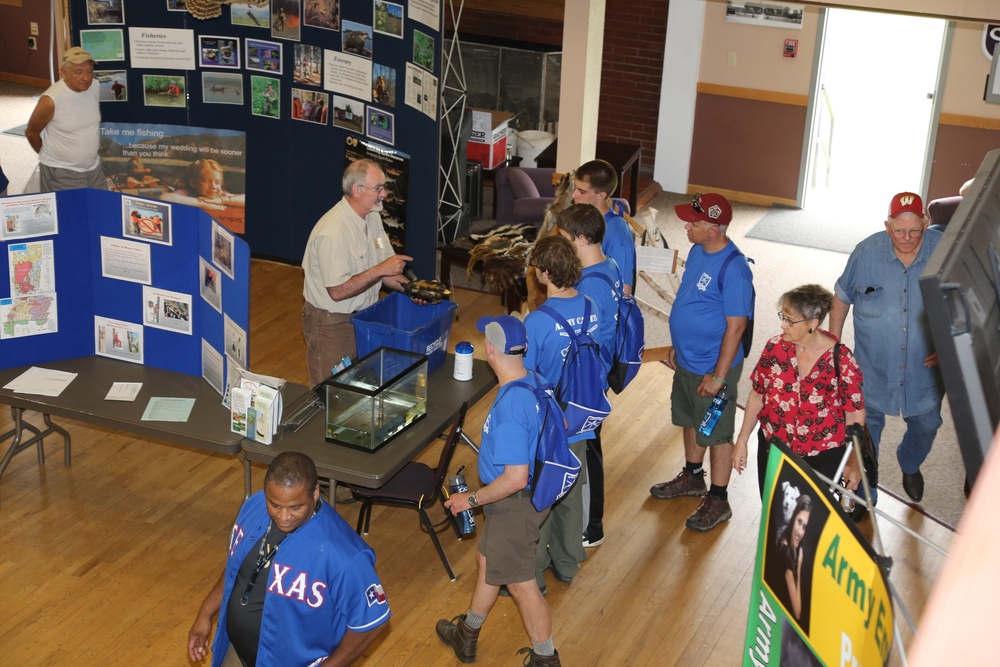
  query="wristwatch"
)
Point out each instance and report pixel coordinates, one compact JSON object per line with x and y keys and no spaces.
{"x":472,"y":500}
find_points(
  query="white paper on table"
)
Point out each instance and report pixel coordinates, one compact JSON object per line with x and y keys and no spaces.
{"x":167,"y":409}
{"x":656,"y":260}
{"x":42,"y":381}
{"x":123,"y":391}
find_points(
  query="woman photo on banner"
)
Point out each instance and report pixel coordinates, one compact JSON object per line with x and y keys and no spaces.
{"x":796,"y":395}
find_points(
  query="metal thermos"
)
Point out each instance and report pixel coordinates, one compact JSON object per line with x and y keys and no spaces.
{"x":463,"y":361}
{"x":714,"y":412}
{"x":466,"y":520}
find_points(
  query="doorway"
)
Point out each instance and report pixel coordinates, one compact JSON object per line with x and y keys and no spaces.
{"x":873,"y":109}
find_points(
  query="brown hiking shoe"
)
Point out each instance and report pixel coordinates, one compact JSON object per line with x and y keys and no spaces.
{"x":535,"y":660}
{"x":712,"y":511}
{"x":456,"y":634}
{"x":685,"y":484}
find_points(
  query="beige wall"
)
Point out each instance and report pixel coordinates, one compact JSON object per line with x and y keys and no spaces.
{"x":760,"y":65}
{"x":966,"y":76}
{"x":759,"y":61}
{"x":980,"y":10}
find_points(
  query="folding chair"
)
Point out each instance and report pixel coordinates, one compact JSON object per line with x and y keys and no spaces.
{"x":416,"y":486}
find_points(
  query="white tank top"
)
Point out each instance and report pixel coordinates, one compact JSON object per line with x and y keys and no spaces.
{"x":71,"y":138}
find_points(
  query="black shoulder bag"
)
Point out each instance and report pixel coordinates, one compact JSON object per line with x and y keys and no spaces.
{"x":868,"y":456}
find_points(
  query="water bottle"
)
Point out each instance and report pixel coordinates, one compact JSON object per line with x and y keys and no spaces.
{"x":463,"y":361}
{"x":714,"y":412}
{"x":845,"y":500}
{"x":466,"y":520}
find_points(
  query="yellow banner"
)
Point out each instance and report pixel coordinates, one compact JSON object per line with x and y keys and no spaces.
{"x":818,"y":598}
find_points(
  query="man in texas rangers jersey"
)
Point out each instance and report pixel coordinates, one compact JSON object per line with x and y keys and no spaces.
{"x":299,"y":586}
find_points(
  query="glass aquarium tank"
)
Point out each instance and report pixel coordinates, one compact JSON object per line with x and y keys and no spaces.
{"x":376,"y":398}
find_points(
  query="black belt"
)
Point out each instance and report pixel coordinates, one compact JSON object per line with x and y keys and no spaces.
{"x":523,"y":493}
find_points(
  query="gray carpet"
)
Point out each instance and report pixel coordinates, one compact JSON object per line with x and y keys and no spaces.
{"x":16,"y":131}
{"x":796,"y":226}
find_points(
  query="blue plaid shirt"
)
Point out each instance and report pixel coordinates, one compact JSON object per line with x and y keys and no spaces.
{"x":892,"y":335}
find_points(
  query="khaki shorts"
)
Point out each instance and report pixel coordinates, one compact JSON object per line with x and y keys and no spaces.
{"x":509,"y":538}
{"x":688,"y":408}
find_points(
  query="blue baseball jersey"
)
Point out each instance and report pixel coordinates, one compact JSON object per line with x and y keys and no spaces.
{"x":321,"y":583}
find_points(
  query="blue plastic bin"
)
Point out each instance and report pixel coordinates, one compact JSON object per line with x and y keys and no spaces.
{"x":397,"y":322}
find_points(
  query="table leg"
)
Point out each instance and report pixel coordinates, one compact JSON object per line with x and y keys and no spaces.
{"x":247,"y":482}
{"x":54,"y":428}
{"x":18,"y":444}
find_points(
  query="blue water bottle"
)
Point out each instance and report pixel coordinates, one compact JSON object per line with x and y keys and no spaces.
{"x":714,"y":412}
{"x":466,"y":520}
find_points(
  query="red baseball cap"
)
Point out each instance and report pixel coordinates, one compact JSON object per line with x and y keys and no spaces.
{"x":906,"y":202}
{"x":711,"y":207}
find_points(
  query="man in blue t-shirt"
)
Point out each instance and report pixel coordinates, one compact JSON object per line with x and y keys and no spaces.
{"x":600,"y":280}
{"x":594,"y":182}
{"x":506,"y":555}
{"x":707,"y":323}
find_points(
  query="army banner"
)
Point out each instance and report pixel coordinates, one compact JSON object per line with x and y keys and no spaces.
{"x":818,"y":596}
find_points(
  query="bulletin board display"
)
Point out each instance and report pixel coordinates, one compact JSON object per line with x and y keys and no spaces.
{"x":307,"y":81}
{"x":90,"y":272}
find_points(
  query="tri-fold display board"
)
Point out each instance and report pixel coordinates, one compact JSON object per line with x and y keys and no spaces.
{"x":89,"y":272}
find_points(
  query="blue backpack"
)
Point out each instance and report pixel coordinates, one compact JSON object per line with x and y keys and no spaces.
{"x":556,"y":467}
{"x":630,"y":340}
{"x":747,"y":339}
{"x":580,"y":391}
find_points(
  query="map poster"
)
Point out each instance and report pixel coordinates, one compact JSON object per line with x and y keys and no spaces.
{"x":28,"y":316}
{"x":32,"y":269}
{"x":118,"y":339}
{"x":28,"y":216}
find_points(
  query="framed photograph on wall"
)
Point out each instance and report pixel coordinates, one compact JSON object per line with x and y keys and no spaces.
{"x":222,"y":52}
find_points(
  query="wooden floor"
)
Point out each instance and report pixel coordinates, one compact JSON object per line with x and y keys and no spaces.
{"x":106,"y":562}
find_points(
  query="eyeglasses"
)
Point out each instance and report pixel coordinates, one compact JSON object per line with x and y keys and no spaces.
{"x":788,"y":321}
{"x":903,"y":233}
{"x":378,"y":189}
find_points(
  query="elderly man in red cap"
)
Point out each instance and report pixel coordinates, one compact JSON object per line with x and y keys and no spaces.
{"x":713,"y":307}
{"x":64,"y":127}
{"x":892,"y":336}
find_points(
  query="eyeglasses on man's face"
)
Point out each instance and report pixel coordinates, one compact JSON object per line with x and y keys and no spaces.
{"x":787,"y":320}
{"x":907,"y":233}
{"x":378,"y":189}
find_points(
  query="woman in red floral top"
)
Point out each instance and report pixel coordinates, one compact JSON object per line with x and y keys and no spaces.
{"x":795,"y":390}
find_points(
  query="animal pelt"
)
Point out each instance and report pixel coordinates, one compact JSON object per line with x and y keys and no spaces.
{"x":502,"y":251}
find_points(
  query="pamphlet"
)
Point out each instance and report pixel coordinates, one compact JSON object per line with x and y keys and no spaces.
{"x":260,"y":409}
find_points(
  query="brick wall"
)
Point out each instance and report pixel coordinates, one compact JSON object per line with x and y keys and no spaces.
{"x":634,"y":40}
{"x":498,"y":25}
